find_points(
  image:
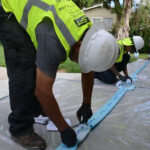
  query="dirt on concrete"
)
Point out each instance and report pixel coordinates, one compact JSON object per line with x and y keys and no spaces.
{"x":3,"y":73}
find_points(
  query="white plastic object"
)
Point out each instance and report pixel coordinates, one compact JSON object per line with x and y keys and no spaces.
{"x":136,"y":55}
{"x":118,"y":83}
{"x":51,"y":126}
{"x":41,"y":119}
{"x":98,"y":51}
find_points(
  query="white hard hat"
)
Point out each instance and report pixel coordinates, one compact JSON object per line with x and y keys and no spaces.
{"x":139,"y":42}
{"x":98,"y":51}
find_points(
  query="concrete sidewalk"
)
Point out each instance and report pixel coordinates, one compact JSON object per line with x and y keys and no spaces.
{"x":3,"y":82}
{"x":3,"y":73}
{"x":127,"y":127}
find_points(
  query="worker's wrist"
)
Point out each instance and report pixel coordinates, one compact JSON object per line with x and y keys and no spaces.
{"x":87,"y":101}
{"x":86,"y":104}
{"x":63,"y":126}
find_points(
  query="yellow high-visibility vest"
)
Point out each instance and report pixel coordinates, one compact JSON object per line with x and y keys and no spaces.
{"x":69,"y":21}
{"x":121,"y":51}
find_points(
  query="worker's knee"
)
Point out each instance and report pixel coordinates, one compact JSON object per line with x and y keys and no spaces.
{"x":107,"y":77}
{"x":110,"y":80}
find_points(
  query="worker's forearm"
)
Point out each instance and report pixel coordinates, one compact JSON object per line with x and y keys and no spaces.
{"x":114,"y":70}
{"x":87,"y":86}
{"x":125,"y":71}
{"x":51,"y":108}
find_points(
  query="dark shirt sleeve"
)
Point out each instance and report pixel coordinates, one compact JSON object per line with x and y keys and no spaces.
{"x":50,"y":52}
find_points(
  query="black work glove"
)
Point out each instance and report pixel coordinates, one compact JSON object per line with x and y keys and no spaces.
{"x":68,"y":137}
{"x":128,"y":77}
{"x":122,"y":78}
{"x":85,"y":112}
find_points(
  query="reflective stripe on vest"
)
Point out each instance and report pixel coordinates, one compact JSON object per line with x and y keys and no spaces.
{"x":42,"y":5}
{"x":69,"y":21}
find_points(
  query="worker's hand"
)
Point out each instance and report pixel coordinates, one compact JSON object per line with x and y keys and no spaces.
{"x":128,"y":77}
{"x":84,"y":112}
{"x":68,"y":137}
{"x":122,"y":78}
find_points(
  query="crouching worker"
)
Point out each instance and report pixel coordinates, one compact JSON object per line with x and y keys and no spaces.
{"x":113,"y":74}
{"x":58,"y":30}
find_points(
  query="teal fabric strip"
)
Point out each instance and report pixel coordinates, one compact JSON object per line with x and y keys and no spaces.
{"x":82,"y":131}
{"x":107,"y":108}
{"x":64,"y":147}
{"x":133,"y":75}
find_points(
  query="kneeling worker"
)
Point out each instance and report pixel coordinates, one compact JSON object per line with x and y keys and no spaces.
{"x":126,"y":45}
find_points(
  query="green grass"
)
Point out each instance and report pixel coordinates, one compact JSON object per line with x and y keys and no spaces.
{"x":2,"y":60}
{"x":70,"y":66}
{"x":141,"y":56}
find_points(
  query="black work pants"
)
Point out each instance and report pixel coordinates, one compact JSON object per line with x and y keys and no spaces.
{"x":108,"y":76}
{"x":21,"y":70}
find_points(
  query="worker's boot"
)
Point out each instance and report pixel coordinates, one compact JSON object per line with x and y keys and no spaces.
{"x":31,"y":141}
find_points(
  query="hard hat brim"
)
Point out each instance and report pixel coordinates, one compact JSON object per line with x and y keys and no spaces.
{"x":95,"y":28}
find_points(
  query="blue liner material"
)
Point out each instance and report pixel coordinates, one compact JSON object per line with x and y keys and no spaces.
{"x":107,"y":108}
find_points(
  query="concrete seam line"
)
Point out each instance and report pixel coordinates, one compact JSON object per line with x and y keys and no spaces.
{"x":4,"y":97}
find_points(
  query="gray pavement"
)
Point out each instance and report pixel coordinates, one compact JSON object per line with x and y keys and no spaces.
{"x":127,"y":127}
